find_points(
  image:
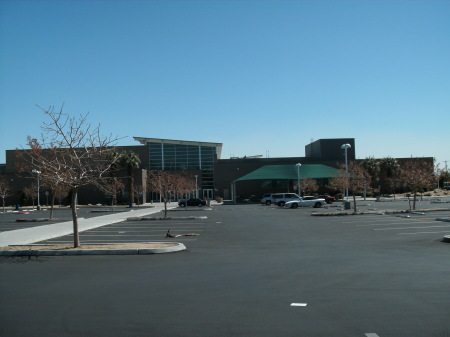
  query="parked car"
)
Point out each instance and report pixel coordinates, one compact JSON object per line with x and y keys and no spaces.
{"x":267,"y":199}
{"x":306,"y":201}
{"x":191,"y":202}
{"x":328,"y":198}
{"x":279,"y":198}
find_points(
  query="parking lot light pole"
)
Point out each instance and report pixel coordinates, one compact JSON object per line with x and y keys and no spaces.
{"x":38,"y":199}
{"x":196,"y":187}
{"x":298,"y":180}
{"x":345,"y":147}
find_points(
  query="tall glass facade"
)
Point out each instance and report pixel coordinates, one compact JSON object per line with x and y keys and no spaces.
{"x":169,"y":156}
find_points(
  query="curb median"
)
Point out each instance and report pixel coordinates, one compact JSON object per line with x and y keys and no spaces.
{"x":176,"y":247}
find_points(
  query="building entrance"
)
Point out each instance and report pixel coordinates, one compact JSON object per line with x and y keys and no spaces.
{"x":208,"y":194}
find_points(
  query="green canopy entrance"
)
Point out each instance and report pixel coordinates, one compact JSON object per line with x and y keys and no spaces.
{"x":289,"y":172}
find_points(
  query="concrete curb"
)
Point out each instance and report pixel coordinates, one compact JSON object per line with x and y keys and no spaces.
{"x":76,"y":252}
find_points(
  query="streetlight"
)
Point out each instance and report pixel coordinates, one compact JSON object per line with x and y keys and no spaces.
{"x":38,"y":201}
{"x":345,"y":147}
{"x":298,"y":179}
{"x":196,"y":187}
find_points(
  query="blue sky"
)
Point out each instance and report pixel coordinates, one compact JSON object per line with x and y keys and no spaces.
{"x":261,"y":77}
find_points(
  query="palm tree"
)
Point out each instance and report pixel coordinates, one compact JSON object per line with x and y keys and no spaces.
{"x":130,"y":161}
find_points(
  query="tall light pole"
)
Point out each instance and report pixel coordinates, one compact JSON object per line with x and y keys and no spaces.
{"x":196,"y":187}
{"x":298,"y":179}
{"x":38,"y":201}
{"x":345,"y":147}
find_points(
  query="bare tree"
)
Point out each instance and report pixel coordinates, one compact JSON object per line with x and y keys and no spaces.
{"x":309,"y":185}
{"x":418,"y":176}
{"x":71,"y":153}
{"x":357,"y":181}
{"x":111,"y":186}
{"x":185,"y":185}
{"x":59,"y":192}
{"x":339,"y":181}
{"x":5,"y":190}
{"x":165,"y":183}
{"x":169,"y":184}
{"x":138,"y":193}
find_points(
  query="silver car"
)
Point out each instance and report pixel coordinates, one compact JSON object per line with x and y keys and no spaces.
{"x":306,"y":201}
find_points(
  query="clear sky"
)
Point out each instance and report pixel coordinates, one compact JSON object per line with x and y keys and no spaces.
{"x":261,"y":77}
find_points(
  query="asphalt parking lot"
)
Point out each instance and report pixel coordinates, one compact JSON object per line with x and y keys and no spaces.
{"x":252,"y":271}
{"x":189,"y":229}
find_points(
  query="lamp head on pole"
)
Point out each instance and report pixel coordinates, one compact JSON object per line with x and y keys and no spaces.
{"x":346,"y":146}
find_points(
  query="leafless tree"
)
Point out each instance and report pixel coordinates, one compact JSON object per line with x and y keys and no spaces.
{"x":59,"y":192}
{"x":164,"y":183}
{"x":418,"y":176}
{"x":111,"y":186}
{"x":339,"y":181}
{"x":357,"y":180}
{"x":138,"y":193}
{"x":309,"y":185}
{"x":5,"y":190}
{"x":70,"y":153}
{"x":185,"y":184}
{"x":169,"y":184}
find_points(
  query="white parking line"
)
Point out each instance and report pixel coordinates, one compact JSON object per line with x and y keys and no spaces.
{"x":371,"y":334}
{"x":148,"y":231}
{"x":386,"y":229}
{"x":390,"y":224}
{"x":423,"y":233}
{"x":299,"y":304}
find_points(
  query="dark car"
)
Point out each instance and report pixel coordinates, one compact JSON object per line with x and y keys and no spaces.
{"x":192,"y":202}
{"x":328,"y":198}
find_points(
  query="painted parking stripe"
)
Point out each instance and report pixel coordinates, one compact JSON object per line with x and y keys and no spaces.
{"x":299,"y":304}
{"x":391,"y":223}
{"x":371,"y":334}
{"x":396,"y":228}
{"x":127,"y":230}
{"x":422,"y":233}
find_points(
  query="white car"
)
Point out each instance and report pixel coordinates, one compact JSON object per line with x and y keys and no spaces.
{"x":306,"y":201}
{"x":278,"y":198}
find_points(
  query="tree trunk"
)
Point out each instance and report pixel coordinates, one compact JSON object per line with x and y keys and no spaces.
{"x":130,"y":186}
{"x":414,"y":201}
{"x":52,"y":207}
{"x":3,"y":205}
{"x":354,"y":202}
{"x":76,"y":236}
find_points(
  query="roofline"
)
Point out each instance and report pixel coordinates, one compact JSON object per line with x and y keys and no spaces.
{"x":145,"y":140}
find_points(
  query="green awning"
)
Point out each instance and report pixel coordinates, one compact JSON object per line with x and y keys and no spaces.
{"x":284,"y":172}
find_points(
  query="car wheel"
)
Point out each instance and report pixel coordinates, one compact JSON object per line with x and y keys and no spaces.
{"x":294,"y":205}
{"x":182,"y":205}
{"x":317,"y":205}
{"x":268,"y":202}
{"x":281,"y":203}
{"x":200,"y":205}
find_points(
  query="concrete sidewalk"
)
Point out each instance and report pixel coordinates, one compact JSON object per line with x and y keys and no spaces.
{"x":31,"y":235}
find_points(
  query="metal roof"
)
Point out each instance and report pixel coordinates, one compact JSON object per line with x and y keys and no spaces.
{"x":145,"y":140}
{"x":283,"y":172}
